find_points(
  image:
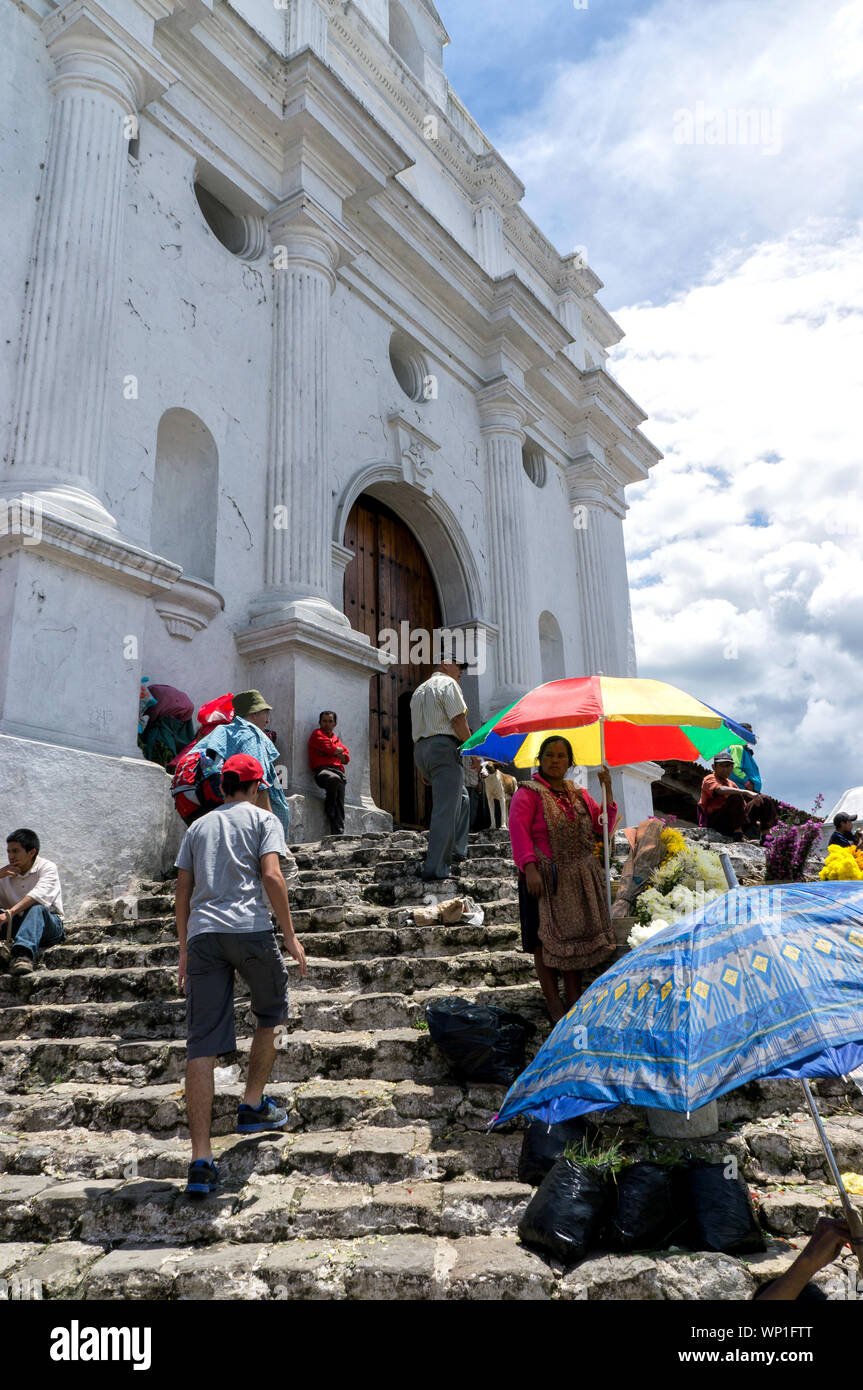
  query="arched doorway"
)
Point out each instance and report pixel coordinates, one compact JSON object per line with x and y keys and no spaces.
{"x":387,"y":584}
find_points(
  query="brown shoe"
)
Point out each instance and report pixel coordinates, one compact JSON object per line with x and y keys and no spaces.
{"x":5,"y":956}
{"x":21,"y":965}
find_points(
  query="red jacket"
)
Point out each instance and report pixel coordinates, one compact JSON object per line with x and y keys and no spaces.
{"x":323,"y":750}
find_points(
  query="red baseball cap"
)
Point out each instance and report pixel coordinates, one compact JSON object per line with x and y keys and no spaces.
{"x":247,"y":769}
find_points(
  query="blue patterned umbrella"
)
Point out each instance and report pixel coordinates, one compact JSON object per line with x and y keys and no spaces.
{"x":761,"y":982}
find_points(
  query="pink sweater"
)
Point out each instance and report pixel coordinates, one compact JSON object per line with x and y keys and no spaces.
{"x":528,"y":830}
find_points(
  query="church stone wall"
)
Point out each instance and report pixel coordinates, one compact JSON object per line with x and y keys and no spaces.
{"x":287,"y":372}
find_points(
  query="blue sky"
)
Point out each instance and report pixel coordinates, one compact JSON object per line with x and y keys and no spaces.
{"x":709,"y":158}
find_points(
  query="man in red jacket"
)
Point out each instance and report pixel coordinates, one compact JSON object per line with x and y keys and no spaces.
{"x":328,"y":758}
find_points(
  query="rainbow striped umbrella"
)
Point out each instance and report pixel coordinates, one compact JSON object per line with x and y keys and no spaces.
{"x":608,"y":719}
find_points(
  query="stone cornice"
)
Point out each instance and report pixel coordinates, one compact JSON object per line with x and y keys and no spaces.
{"x":504,"y":408}
{"x":312,"y":236}
{"x":85,"y":32}
{"x":82,"y":547}
{"x":298,"y":633}
{"x":252,"y":85}
{"x":320,"y":109}
{"x":518,"y":320}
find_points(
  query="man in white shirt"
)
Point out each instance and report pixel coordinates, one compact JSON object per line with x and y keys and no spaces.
{"x":31,"y":904}
{"x":439,"y":724}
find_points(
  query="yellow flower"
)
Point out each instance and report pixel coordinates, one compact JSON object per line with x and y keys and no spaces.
{"x":842,"y":864}
{"x":672,"y":842}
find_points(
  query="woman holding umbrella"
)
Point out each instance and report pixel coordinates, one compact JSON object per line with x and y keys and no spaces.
{"x":565,"y":921}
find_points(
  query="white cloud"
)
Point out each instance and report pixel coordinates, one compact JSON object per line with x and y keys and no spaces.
{"x":603,"y":168}
{"x":753,"y":381}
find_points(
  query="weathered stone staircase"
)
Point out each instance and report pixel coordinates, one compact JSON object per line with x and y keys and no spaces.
{"x":385,"y":1183}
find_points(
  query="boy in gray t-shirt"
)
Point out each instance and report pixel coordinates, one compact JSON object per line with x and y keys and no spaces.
{"x":227,"y":862}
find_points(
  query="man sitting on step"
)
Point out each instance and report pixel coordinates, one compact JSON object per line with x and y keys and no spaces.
{"x":227,"y":862}
{"x":31,"y":904}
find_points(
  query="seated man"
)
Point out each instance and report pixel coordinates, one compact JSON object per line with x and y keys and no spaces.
{"x":31,"y":904}
{"x":328,"y":758}
{"x":733,"y":810}
{"x":844,"y":834}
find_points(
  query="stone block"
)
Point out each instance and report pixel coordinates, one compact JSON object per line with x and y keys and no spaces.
{"x":60,"y":1268}
{"x":494,"y":1270}
{"x":135,"y":1273}
{"x":224,"y":1272}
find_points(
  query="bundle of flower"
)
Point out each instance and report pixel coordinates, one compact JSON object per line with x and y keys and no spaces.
{"x":688,"y":878}
{"x":842,"y":864}
{"x":786,"y":849}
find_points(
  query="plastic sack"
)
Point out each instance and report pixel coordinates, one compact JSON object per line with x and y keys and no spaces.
{"x":543,"y":1145}
{"x":567,"y":1212}
{"x":479,"y":1043}
{"x":645,"y":855}
{"x":647,"y":1214}
{"x":720,"y":1213}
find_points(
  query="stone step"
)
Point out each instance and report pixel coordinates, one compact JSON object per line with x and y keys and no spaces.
{"x":376,"y":1267}
{"x":451,"y":973}
{"x":103,"y":1211}
{"x":318,"y":1010}
{"x":388,"y":1055}
{"x":793,"y":1210}
{"x":501,"y":911}
{"x":311,"y":1105}
{"x":366,"y":1154}
{"x":356,"y":943}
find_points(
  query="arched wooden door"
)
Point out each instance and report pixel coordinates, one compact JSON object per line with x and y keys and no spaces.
{"x":387,"y":584}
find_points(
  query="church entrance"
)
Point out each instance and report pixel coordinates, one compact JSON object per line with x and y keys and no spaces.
{"x":389,"y":583}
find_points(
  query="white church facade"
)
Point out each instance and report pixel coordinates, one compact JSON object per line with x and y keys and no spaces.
{"x":286,"y":367}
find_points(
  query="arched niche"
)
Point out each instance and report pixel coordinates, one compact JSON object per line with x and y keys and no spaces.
{"x":551,"y":648}
{"x":405,"y":40}
{"x":186,"y":494}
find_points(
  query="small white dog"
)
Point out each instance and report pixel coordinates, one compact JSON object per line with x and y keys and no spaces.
{"x":499,"y":791}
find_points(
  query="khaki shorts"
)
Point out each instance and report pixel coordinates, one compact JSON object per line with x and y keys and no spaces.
{"x":213,"y":959}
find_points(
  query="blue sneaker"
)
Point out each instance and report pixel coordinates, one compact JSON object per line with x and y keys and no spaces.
{"x":203,"y":1178}
{"x":268,"y":1115}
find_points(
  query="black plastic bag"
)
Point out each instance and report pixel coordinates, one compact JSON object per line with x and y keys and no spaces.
{"x":543,"y":1145}
{"x":567,"y":1212}
{"x":480,"y":1044}
{"x":720,"y":1213}
{"x":647,"y":1214}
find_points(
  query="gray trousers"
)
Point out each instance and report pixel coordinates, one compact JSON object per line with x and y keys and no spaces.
{"x":440,"y":764}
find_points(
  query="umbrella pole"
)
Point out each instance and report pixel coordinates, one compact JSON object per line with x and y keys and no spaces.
{"x":605,"y":836}
{"x":852,"y":1215}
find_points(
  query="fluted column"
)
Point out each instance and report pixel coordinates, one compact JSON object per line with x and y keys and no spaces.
{"x":601,"y":559}
{"x":59,"y":427}
{"x":504,"y":410}
{"x":299,"y":546}
{"x":307,"y":27}
{"x":489,"y":237}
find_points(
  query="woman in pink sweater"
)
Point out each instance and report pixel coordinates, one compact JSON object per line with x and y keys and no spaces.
{"x":554,"y":827}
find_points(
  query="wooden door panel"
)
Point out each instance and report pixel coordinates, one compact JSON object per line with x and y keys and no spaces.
{"x":390,"y":582}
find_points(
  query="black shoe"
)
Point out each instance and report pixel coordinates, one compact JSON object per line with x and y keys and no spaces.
{"x":203,"y":1178}
{"x":435,"y":878}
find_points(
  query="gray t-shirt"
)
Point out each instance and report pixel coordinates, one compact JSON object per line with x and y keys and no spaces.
{"x":223,"y":851}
